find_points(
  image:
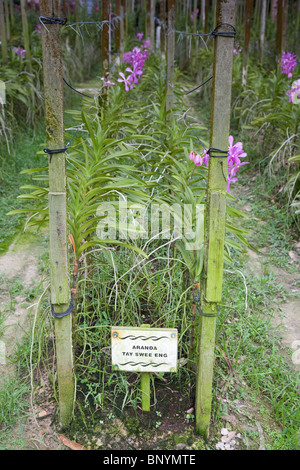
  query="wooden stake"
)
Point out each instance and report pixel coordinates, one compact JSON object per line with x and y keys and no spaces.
{"x":170,"y":55}
{"x":145,"y":386}
{"x":279,"y":31}
{"x":262,"y":30}
{"x":26,"y":33}
{"x":248,"y":17}
{"x":122,"y":25}
{"x":3,"y":34}
{"x":215,"y":215}
{"x":163,"y":18}
{"x":152,"y":25}
{"x":60,"y":289}
{"x":105,"y":39}
{"x":7,"y":20}
{"x":118,"y":13}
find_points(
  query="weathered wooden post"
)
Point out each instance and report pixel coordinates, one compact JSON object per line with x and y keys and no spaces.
{"x":26,"y":33}
{"x":163,"y":19}
{"x":7,"y":20}
{"x":105,"y":38}
{"x":248,"y":17}
{"x":122,"y":25}
{"x":118,"y":26}
{"x":59,"y":271}
{"x":3,"y":34}
{"x":216,"y":194}
{"x":145,"y":386}
{"x":12,"y":13}
{"x":78,"y":38}
{"x":152,"y":25}
{"x":262,"y":30}
{"x":170,"y":55}
{"x":279,"y":32}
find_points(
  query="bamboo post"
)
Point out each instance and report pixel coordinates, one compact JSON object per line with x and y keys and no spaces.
{"x":170,"y":55}
{"x":248,"y":17}
{"x":3,"y":34}
{"x":26,"y":33}
{"x":60,"y":288}
{"x":215,"y":215}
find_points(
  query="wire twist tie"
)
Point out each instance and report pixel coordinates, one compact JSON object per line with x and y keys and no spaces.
{"x":197,"y":302}
{"x":63,"y":314}
{"x":53,"y":20}
{"x":224,"y":34}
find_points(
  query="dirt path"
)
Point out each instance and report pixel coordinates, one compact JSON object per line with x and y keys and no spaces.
{"x":19,"y":271}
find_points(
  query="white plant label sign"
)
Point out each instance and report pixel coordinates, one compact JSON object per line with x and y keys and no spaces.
{"x":144,"y":349}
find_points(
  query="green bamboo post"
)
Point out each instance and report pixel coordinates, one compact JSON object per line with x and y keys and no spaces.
{"x":26,"y":33}
{"x":145,"y":386}
{"x":170,"y":56}
{"x":3,"y":34}
{"x":215,"y":216}
{"x":60,"y":288}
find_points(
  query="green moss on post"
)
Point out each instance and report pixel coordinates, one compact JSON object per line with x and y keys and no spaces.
{"x":215,"y":215}
{"x":60,"y":289}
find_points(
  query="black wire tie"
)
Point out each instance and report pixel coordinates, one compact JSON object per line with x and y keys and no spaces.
{"x":197,"y":302}
{"x":224,"y":152}
{"x":63,"y":314}
{"x":52,"y":151}
{"x":224,"y":34}
{"x":53,"y":20}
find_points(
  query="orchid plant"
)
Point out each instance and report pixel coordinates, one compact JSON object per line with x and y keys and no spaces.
{"x":136,"y":60}
{"x":235,"y":153}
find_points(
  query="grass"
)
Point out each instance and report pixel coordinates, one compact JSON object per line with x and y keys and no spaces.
{"x":23,"y":156}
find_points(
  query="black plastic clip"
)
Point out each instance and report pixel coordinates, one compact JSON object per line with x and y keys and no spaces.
{"x":213,"y":150}
{"x":52,"y":151}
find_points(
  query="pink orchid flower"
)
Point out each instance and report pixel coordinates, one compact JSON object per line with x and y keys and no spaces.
{"x":127,"y":81}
